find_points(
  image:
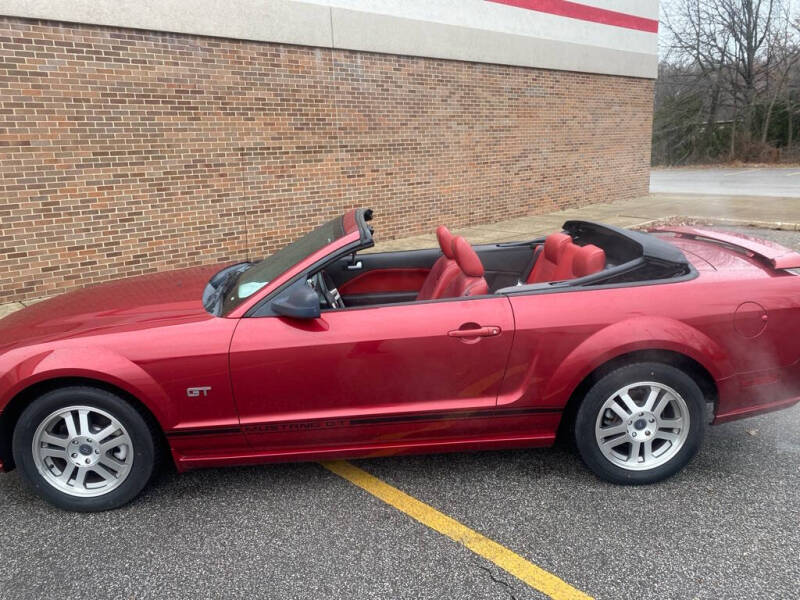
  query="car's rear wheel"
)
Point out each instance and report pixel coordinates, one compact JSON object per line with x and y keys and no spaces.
{"x":640,"y":424}
{"x":84,"y":449}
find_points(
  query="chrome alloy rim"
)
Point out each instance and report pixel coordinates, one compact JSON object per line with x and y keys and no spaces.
{"x":82,"y":451}
{"x":642,"y":426}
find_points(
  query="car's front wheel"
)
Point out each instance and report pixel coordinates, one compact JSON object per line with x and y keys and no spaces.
{"x":640,"y":423}
{"x":84,"y":449}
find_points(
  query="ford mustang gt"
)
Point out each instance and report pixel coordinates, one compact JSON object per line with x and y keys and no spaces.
{"x":626,"y":342}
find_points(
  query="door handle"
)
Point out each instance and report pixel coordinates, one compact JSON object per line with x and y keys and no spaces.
{"x":477,"y":332}
{"x":354,"y":266}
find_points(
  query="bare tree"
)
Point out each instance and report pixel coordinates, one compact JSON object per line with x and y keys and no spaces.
{"x":700,"y":44}
{"x":749,"y":24}
{"x":783,"y":55}
{"x":726,"y":67}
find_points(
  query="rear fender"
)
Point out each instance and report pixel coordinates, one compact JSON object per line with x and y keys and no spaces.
{"x":631,"y":335}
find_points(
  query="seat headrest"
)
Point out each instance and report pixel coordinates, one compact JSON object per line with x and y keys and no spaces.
{"x":467,"y":258}
{"x":554,"y":246}
{"x":588,"y":259}
{"x":445,"y":240}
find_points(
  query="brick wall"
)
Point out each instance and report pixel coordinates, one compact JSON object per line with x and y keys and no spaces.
{"x":125,"y":152}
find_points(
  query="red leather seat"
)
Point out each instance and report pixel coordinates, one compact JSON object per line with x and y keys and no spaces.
{"x":589,"y":259}
{"x":561,"y":259}
{"x":579,"y":261}
{"x":444,"y":270}
{"x":469,"y":281}
{"x":546,"y":265}
{"x":566,"y":263}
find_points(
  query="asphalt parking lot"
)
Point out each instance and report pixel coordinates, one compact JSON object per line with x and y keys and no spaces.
{"x":726,"y":527}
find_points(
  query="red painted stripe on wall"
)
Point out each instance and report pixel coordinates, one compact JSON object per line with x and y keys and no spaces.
{"x":574,"y":10}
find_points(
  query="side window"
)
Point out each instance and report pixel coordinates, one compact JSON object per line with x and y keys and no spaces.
{"x":324,"y":286}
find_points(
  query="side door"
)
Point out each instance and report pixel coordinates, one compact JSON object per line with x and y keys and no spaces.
{"x":375,"y":376}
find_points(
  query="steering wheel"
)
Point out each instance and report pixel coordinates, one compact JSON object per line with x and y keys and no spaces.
{"x":329,"y":292}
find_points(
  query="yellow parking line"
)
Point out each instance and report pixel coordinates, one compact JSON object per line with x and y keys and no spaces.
{"x":513,"y":563}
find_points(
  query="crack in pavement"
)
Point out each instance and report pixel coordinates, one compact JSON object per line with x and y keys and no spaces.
{"x":509,"y":589}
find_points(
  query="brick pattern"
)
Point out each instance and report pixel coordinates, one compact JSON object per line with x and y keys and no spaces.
{"x":125,"y":152}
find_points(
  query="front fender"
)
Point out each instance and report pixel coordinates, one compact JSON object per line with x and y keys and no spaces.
{"x":631,"y":335}
{"x":20,"y":372}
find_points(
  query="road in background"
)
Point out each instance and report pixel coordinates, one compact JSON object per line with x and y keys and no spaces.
{"x":756,"y":181}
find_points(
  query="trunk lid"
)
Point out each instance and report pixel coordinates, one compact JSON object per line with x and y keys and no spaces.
{"x":717,"y":248}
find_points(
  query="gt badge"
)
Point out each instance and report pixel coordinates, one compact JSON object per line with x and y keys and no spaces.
{"x":194,"y":392}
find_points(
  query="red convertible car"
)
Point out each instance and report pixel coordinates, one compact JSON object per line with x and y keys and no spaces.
{"x":627,"y":341}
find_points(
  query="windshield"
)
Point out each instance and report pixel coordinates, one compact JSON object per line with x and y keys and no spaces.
{"x":247,"y":282}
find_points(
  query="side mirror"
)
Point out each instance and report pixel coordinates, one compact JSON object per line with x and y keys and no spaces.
{"x":297,"y":302}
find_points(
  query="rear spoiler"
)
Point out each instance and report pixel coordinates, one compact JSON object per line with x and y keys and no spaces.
{"x":774,"y":254}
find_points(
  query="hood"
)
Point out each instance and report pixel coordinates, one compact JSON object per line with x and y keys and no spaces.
{"x":125,"y":304}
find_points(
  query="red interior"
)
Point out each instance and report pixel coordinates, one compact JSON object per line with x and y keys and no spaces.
{"x":444,"y":269}
{"x":544,"y":269}
{"x":459,"y":271}
{"x":470,"y":280}
{"x":562,"y":259}
{"x":386,"y":280}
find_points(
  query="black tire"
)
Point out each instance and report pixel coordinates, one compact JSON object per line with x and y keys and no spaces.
{"x":589,"y":411}
{"x":141,"y":432}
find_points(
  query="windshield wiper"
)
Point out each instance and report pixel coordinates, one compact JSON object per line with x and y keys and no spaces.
{"x":222,"y":283}
{"x":229,"y":282}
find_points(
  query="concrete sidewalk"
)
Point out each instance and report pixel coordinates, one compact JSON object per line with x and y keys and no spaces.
{"x":778,"y":213}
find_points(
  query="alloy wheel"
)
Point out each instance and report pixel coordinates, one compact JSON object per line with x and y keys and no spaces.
{"x":82,"y":451}
{"x":642,"y":426}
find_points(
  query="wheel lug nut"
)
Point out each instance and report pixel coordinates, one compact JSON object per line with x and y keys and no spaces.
{"x":88,"y":460}
{"x":97,"y":451}
{"x":634,"y":434}
{"x":652,"y":420}
{"x":647,"y":432}
{"x":74,"y":456}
